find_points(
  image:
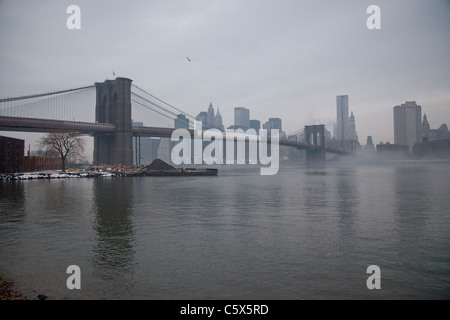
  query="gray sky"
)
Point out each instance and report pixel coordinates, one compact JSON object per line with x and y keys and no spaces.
{"x":286,"y":59}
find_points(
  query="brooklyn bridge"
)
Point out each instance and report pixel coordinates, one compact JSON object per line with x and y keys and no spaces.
{"x":109,"y":119}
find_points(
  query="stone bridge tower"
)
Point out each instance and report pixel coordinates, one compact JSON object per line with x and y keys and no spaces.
{"x":113,"y":105}
{"x":315,"y":135}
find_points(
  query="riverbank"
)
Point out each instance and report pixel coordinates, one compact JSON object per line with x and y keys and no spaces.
{"x":7,"y":291}
{"x":156,"y":168}
{"x":55,"y":175}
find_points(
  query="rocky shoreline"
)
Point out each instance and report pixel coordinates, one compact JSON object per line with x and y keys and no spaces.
{"x":7,"y":291}
{"x":156,"y":168}
{"x":54,"y":175}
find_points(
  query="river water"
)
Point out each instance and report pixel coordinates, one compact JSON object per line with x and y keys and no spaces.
{"x":305,"y":233}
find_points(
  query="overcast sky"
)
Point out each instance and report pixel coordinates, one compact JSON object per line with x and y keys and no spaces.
{"x":287,"y":59}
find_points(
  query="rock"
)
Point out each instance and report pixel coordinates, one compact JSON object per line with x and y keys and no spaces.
{"x":42,"y":297}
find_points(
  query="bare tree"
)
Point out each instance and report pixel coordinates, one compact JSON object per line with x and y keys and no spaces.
{"x":67,"y":145}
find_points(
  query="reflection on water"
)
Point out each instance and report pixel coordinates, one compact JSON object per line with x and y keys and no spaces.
{"x":412,"y":193}
{"x":12,"y":198}
{"x":412,"y":209}
{"x":347,"y":198}
{"x":113,"y":248}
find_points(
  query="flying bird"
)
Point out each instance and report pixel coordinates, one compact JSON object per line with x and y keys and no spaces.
{"x":188,"y":59}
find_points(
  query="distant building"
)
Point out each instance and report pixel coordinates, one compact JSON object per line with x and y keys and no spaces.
{"x":352,"y":128}
{"x":369,"y":149}
{"x":425,"y":128}
{"x":181,"y":122}
{"x":429,"y":135}
{"x":335,"y":131}
{"x":407,"y":124}
{"x":276,"y":123}
{"x":242,"y":117}
{"x":267,"y":126}
{"x":433,"y":149}
{"x":11,"y":154}
{"x":441,"y":133}
{"x":218,"y":124}
{"x":202,"y":117}
{"x":256,"y":125}
{"x":342,"y":124}
{"x":344,"y":130}
{"x":389,"y":151}
{"x":210,"y":119}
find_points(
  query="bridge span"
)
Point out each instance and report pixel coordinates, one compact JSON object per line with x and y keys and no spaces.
{"x":113,"y":130}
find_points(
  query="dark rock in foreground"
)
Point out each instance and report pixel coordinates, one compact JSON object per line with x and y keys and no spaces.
{"x":7,"y":291}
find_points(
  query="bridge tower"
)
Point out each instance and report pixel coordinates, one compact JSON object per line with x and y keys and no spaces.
{"x":315,"y":135}
{"x":113,"y":105}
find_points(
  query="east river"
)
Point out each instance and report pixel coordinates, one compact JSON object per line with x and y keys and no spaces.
{"x":305,"y":233}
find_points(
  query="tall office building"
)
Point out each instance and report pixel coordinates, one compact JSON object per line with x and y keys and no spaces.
{"x":181,"y":122}
{"x":242,"y":117}
{"x":202,"y":118}
{"x":210,"y":120}
{"x":425,"y":128}
{"x":342,"y":118}
{"x":407,"y":124}
{"x":218,"y":124}
{"x":352,"y":128}
{"x":369,"y":149}
{"x":267,"y":126}
{"x":256,"y":125}
{"x":275,"y":123}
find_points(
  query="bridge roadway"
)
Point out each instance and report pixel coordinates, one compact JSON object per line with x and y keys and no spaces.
{"x":48,"y":125}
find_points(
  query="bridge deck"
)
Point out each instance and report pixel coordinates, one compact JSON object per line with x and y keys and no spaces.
{"x":48,"y":125}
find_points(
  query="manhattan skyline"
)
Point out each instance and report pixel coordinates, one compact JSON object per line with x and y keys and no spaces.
{"x":288,"y":60}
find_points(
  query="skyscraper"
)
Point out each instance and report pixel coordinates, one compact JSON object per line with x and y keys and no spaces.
{"x":202,"y":118}
{"x":275,"y":123}
{"x":267,"y":126}
{"x":242,"y":117}
{"x":210,"y":121}
{"x":352,"y":128}
{"x":256,"y":125}
{"x":342,"y":125}
{"x":369,"y":149}
{"x":425,"y":128}
{"x":181,"y":122}
{"x":218,"y":121}
{"x":407,"y":124}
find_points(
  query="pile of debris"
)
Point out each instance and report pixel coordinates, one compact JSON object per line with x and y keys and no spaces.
{"x":158,"y":165}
